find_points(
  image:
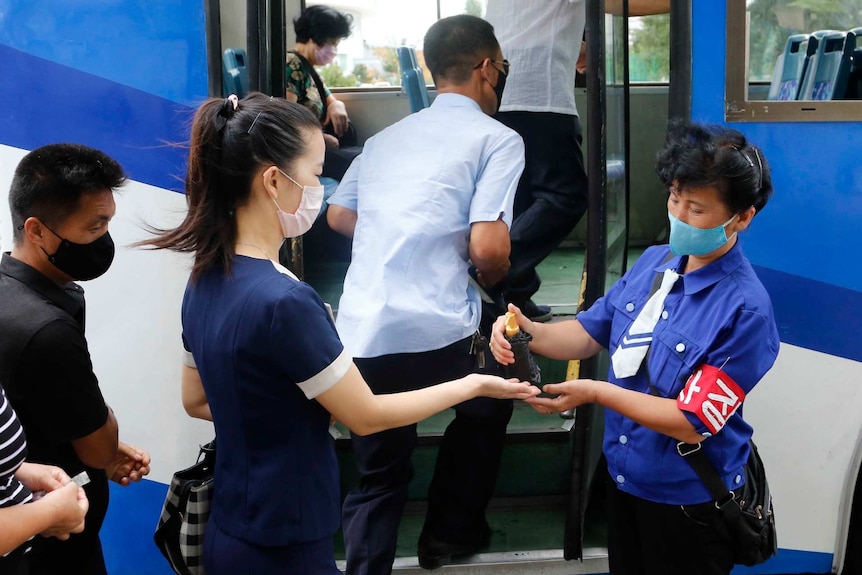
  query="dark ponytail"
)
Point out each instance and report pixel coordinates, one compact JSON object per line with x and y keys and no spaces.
{"x":230,"y":141}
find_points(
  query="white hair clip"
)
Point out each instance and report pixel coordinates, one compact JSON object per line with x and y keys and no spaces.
{"x":234,"y":100}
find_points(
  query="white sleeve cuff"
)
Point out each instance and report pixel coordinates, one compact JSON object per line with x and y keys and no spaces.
{"x":329,"y":376}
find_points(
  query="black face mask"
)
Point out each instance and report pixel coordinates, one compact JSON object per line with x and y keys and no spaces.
{"x":498,"y":89}
{"x":83,"y":261}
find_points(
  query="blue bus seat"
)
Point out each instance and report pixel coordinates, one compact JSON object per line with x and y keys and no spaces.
{"x":235,"y":72}
{"x":412,"y":79}
{"x":854,"y":80}
{"x":789,"y":68}
{"x":828,"y":69}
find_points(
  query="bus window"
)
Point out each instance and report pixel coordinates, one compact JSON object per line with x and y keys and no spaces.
{"x":757,"y":38}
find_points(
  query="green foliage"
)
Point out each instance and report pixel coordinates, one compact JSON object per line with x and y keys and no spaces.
{"x":473,"y":8}
{"x":334,"y":77}
{"x":650,"y":50}
{"x":360,"y":72}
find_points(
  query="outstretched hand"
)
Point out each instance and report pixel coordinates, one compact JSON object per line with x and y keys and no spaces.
{"x":131,"y":464}
{"x":499,"y":388}
{"x":569,"y":394}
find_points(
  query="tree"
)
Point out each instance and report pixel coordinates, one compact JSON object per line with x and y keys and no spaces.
{"x":333,"y":76}
{"x":360,"y":71}
{"x":473,"y":8}
{"x":650,"y":49}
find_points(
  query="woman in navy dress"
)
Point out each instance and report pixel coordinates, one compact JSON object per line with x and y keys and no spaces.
{"x":263,"y":359}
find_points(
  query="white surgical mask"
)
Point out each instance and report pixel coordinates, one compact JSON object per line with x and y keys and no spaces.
{"x":294,"y":225}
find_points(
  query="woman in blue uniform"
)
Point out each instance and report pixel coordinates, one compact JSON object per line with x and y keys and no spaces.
{"x":690,"y":330}
{"x":263,"y":359}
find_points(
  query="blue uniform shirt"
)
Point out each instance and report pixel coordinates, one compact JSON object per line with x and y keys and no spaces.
{"x":719,"y":315}
{"x":417,"y":187}
{"x":265,"y":346}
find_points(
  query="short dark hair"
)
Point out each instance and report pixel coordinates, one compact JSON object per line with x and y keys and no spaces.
{"x":321,"y":23}
{"x":230,"y":141}
{"x":454,"y":45}
{"x":703,"y":155}
{"x":49,"y":182}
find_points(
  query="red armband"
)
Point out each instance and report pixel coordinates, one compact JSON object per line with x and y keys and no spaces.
{"x":712,"y":396}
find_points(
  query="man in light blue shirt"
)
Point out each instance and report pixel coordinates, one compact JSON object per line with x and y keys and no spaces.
{"x":428,"y":197}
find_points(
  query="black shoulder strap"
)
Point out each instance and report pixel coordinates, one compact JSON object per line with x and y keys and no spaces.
{"x":695,"y":456}
{"x":309,"y":69}
{"x":693,"y":452}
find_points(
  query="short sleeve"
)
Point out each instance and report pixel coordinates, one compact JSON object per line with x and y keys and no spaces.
{"x":295,"y":81}
{"x":62,"y":388}
{"x":345,"y":194}
{"x":497,"y":180}
{"x":305,"y":342}
{"x":745,"y":351}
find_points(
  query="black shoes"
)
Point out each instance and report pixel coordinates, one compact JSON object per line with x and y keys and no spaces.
{"x":536,"y":312}
{"x":434,"y":553}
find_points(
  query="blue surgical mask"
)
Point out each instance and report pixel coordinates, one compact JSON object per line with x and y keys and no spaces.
{"x":687,"y":240}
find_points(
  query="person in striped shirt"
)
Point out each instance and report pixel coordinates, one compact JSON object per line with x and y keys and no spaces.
{"x":34,"y":499}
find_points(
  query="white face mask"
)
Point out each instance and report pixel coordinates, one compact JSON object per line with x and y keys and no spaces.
{"x":294,"y":225}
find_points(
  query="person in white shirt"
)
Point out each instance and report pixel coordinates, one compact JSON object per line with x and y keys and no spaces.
{"x":428,"y":197}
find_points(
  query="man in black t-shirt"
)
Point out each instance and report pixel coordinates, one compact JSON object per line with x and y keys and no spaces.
{"x":61,"y":201}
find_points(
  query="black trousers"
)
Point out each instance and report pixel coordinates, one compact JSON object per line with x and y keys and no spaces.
{"x":551,"y":195}
{"x":468,"y":462}
{"x":647,"y":538}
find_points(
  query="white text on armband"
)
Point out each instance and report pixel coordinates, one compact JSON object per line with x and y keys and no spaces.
{"x":712,"y":396}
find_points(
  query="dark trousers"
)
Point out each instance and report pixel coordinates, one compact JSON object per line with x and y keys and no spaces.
{"x":647,"y":538}
{"x":468,"y":461}
{"x":551,"y":195}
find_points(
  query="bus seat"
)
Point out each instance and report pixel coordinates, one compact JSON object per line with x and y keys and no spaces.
{"x":789,"y":68}
{"x":235,"y":72}
{"x":828,"y":70}
{"x":412,"y":79}
{"x":854,"y":80}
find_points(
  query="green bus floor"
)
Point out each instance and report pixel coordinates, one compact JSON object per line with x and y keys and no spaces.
{"x":512,"y":529}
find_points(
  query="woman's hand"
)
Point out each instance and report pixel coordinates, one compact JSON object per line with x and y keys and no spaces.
{"x":131,"y":464}
{"x":331,"y":141}
{"x":336,"y":114}
{"x":69,"y":507}
{"x":571,"y":394}
{"x":499,"y":388}
{"x":500,"y":347}
{"x":37,"y":477}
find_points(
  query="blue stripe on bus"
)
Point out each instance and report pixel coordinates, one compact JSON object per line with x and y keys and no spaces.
{"x":790,"y":561}
{"x":127,"y":538}
{"x":158,"y":46}
{"x":48,"y":102}
{"x":813,"y":314}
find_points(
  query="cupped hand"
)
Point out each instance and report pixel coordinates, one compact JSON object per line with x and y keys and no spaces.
{"x":70,"y":505}
{"x":500,"y":347}
{"x":131,"y":464}
{"x":569,"y":394}
{"x":499,"y":388}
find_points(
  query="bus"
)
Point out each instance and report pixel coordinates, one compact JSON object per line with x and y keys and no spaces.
{"x":125,"y":77}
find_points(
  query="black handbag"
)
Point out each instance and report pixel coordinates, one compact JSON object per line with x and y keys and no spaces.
{"x":180,"y":531}
{"x":749,"y":515}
